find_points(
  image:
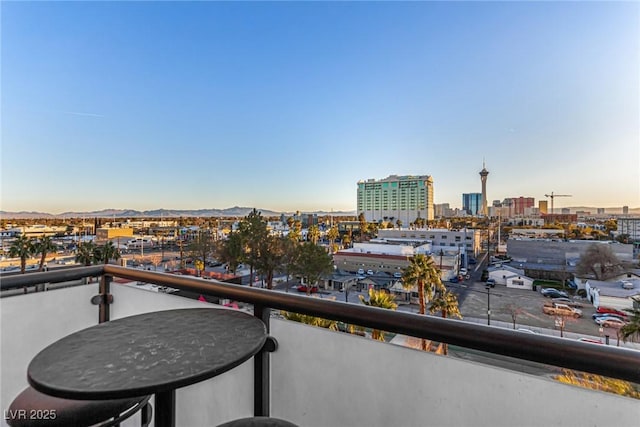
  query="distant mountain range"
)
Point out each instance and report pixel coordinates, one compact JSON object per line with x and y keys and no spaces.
{"x":235,"y":211}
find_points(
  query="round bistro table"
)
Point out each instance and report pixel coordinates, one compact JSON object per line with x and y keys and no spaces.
{"x":152,"y":353}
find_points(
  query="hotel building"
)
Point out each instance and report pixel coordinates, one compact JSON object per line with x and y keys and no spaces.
{"x":403,"y":198}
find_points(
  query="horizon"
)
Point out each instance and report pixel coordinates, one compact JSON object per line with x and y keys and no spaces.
{"x":288,"y":105}
{"x":609,"y":209}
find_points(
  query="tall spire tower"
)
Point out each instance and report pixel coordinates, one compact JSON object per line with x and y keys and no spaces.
{"x":483,"y":177}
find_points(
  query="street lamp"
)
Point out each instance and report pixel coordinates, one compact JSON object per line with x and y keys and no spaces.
{"x":488,"y":305}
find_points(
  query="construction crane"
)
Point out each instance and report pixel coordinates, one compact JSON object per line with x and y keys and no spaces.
{"x":552,"y":196}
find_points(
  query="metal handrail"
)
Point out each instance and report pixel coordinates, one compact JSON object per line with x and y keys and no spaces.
{"x":615,"y":362}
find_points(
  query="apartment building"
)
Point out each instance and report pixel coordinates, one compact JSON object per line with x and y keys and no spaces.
{"x":467,"y":240}
{"x":630,"y":226}
{"x":404,"y":198}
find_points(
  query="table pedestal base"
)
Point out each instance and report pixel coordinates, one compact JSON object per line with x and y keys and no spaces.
{"x":165,"y":415}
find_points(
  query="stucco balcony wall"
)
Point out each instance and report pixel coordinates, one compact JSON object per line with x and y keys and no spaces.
{"x":319,"y":377}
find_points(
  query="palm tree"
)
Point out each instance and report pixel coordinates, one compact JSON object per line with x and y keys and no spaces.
{"x":380,"y":299}
{"x":445,"y":302}
{"x":86,"y":253}
{"x":106,"y":252}
{"x":632,"y":328}
{"x":22,"y":248}
{"x":44,"y":246}
{"x":332,"y":235}
{"x":314,"y":234}
{"x":363,"y":225}
{"x":422,"y":273}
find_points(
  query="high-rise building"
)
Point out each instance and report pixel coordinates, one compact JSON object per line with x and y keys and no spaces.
{"x":520,"y":204}
{"x":625,"y":210}
{"x":404,"y":198}
{"x":472,"y":203}
{"x":483,"y":177}
{"x":542,"y":205}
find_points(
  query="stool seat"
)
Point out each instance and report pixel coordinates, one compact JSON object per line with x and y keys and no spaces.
{"x":32,"y":408}
{"x":258,"y":422}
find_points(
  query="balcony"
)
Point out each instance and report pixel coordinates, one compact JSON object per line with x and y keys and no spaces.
{"x":318,"y":377}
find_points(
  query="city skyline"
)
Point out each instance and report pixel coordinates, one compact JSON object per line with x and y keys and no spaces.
{"x":286,"y":106}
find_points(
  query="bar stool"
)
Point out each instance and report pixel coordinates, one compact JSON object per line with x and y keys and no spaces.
{"x":32,"y":408}
{"x":258,"y":422}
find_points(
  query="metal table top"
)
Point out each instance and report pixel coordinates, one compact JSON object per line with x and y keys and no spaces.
{"x":146,"y":353}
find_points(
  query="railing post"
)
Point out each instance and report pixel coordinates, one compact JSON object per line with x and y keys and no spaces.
{"x":261,"y":370}
{"x":105,"y":298}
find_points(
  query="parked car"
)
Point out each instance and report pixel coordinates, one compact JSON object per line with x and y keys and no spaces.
{"x":568,"y":301}
{"x":397,"y":275}
{"x":611,"y":310}
{"x":472,"y":261}
{"x":612,"y":322}
{"x":463,"y":272}
{"x":360,"y":271}
{"x":370,"y":272}
{"x":553,"y":293}
{"x":561,"y":310}
{"x":491,"y":283}
{"x":303,"y":288}
{"x":602,"y":316}
{"x":528,"y":331}
{"x":599,"y":318}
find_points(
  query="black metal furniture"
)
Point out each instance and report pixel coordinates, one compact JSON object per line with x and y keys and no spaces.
{"x":258,"y":422}
{"x":153,"y":353}
{"x":34,"y":409}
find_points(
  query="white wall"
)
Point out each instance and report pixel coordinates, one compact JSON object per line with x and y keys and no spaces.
{"x":322,"y":378}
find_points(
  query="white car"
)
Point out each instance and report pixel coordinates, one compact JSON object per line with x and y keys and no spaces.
{"x":463,"y":271}
{"x":610,"y":322}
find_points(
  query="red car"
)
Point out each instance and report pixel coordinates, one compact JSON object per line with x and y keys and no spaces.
{"x":303,"y":288}
{"x":611,"y":310}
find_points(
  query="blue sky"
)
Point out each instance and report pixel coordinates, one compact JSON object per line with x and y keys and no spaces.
{"x":286,"y":105}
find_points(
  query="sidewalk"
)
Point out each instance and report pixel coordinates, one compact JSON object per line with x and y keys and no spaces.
{"x":553,"y":332}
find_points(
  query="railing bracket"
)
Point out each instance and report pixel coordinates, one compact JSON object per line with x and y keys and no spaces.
{"x":102,"y":299}
{"x":270,"y":345}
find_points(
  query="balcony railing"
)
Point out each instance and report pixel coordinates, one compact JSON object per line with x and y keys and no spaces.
{"x":319,"y":377}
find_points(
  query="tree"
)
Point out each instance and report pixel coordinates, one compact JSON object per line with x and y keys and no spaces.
{"x":399,"y":223}
{"x":23,"y":248}
{"x":332,"y":235}
{"x":290,"y":255}
{"x":253,"y":229}
{"x":598,"y":382}
{"x":513,"y":310}
{"x":363,"y":225}
{"x":202,"y":246}
{"x":106,"y":252}
{"x":423,"y":274}
{"x":86,"y":253}
{"x":312,"y":263}
{"x":231,"y":251}
{"x":446,"y":302}
{"x":599,"y":260}
{"x":313,"y":234}
{"x":271,"y":255}
{"x":380,"y":299}
{"x":43,"y":247}
{"x":632,"y":328}
{"x":310,"y":320}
